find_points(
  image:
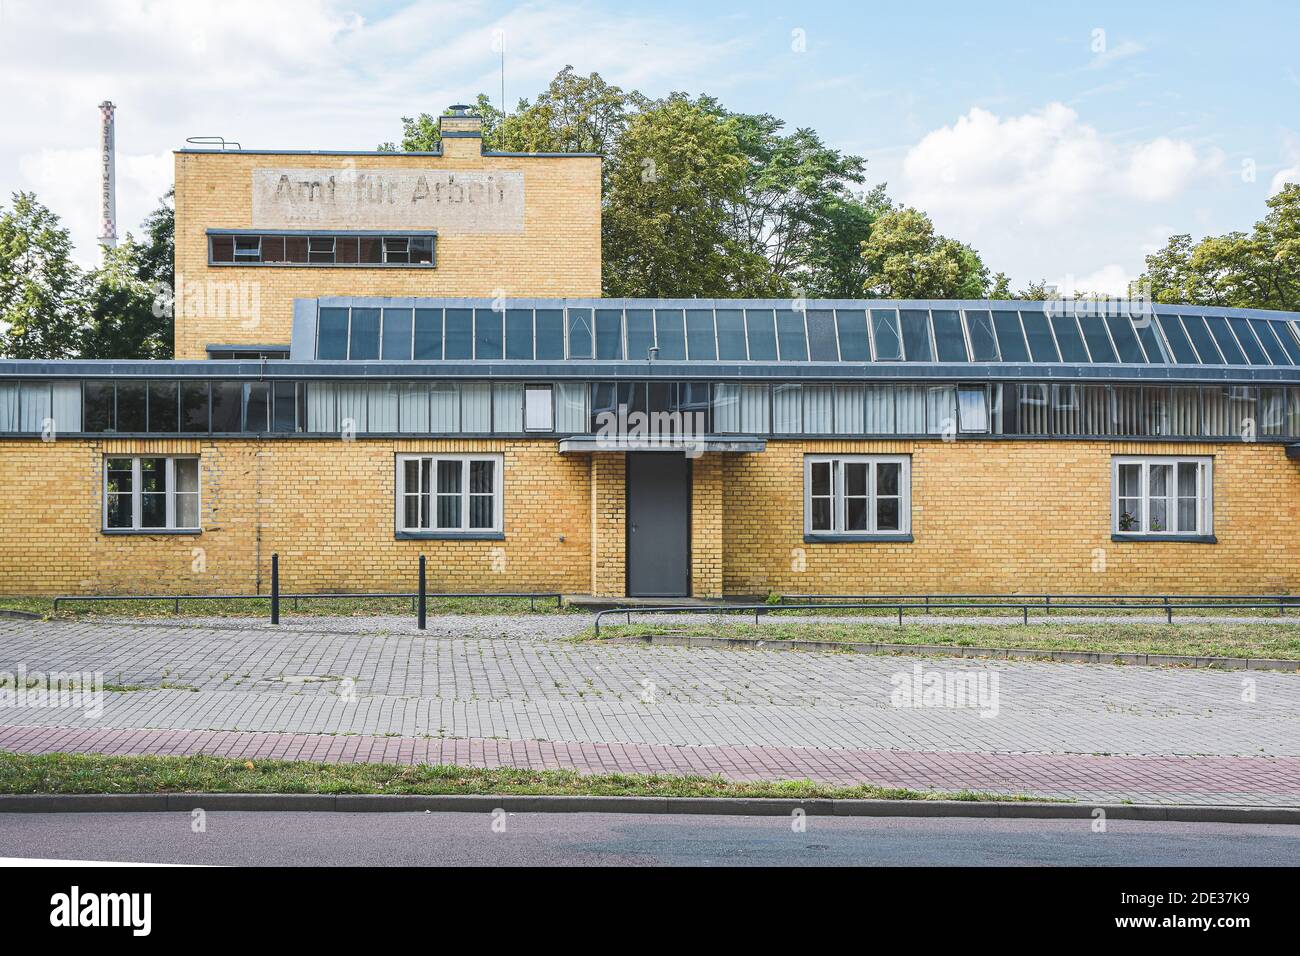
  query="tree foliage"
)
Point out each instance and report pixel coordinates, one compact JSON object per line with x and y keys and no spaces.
{"x":906,"y":259}
{"x":1259,"y":269}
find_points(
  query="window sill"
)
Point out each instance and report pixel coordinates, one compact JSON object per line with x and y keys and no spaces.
{"x":450,"y":536}
{"x":1183,"y":538}
{"x":150,"y":531}
{"x":856,"y":538}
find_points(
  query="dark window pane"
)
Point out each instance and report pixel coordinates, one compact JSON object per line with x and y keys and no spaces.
{"x":884,"y":333}
{"x":131,"y":406}
{"x":284,"y":409}
{"x":640,"y":334}
{"x":1287,"y":337}
{"x":887,"y":514}
{"x":821,"y":336}
{"x":609,"y":334}
{"x":580,"y":333}
{"x":153,"y":475}
{"x":1201,"y":338}
{"x":699,"y":335}
{"x":97,"y":407}
{"x":1146,"y":332}
{"x":480,"y":477}
{"x":371,"y":250}
{"x":332,"y":334}
{"x":222,"y":248}
{"x":852,"y":327}
{"x":346,"y":249}
{"x":460,"y":335}
{"x":422,"y":249}
{"x":396,"y":250}
{"x":1227,"y":343}
{"x":295,"y":249}
{"x":397,"y":334}
{"x":821,"y":514}
{"x":887,"y":474}
{"x":661,"y":396}
{"x":273,"y":249}
{"x":164,"y":407}
{"x":257,"y":401}
{"x":1094,"y":333}
{"x":761,"y":325}
{"x":731,"y":335}
{"x":1270,"y":342}
{"x":983,"y":344}
{"x":670,"y":334}
{"x":1041,"y":345}
{"x":1121,"y":330}
{"x":916,"y":335}
{"x":1069,"y":338}
{"x":319,"y":249}
{"x":227,"y":406}
{"x":948,"y":338}
{"x":519,"y":334}
{"x":855,"y":514}
{"x":119,"y":511}
{"x":1246,"y":339}
{"x":194,"y":406}
{"x":363,"y":340}
{"x":487,"y":333}
{"x":855,"y":478}
{"x":550,"y":334}
{"x":428,"y":334}
{"x":792,"y":336}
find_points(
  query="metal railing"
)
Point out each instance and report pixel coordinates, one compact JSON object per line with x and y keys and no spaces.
{"x":884,"y":603}
{"x":418,"y":598}
{"x":1044,"y":601}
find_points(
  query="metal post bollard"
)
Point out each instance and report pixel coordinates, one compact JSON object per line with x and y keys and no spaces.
{"x":422,"y":597}
{"x":275,"y":589}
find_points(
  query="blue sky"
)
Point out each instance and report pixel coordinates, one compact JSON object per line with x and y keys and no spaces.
{"x":1063,"y":141}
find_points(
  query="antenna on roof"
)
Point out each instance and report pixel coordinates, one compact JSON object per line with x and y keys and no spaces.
{"x":212,"y":141}
{"x":499,"y":46}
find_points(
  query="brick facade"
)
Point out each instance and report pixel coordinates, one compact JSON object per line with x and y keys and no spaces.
{"x":557,"y":254}
{"x":1005,"y":516}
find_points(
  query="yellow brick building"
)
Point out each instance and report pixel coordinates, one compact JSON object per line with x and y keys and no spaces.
{"x":388,"y":355}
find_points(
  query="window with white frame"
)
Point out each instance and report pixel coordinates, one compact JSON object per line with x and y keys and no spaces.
{"x":538,"y":411}
{"x":1160,"y":495}
{"x":449,"y":494}
{"x":858,"y":494}
{"x":151,"y":493}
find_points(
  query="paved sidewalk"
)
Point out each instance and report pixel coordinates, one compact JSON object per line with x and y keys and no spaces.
{"x":1094,"y":732}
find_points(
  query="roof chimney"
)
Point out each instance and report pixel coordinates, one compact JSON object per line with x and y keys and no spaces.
{"x":461,"y":121}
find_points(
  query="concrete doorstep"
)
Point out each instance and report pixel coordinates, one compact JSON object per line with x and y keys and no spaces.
{"x":947,"y":650}
{"x":730,"y":806}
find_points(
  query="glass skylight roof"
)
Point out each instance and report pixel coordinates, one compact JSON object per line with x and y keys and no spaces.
{"x":773,"y":332}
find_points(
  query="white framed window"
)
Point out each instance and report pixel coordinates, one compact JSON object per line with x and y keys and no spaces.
{"x":973,"y":408}
{"x":151,"y":493}
{"x":539,"y":415}
{"x":1162,"y":495}
{"x":857,"y":495}
{"x":449,"y":494}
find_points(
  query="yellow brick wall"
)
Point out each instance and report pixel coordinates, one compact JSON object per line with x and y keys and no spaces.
{"x":986,"y":517}
{"x":706,"y":526}
{"x":558,"y":253}
{"x":1013,"y":516}
{"x":608,"y":521}
{"x":326,"y":507}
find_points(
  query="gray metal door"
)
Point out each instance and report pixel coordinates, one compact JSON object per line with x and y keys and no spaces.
{"x":658,"y":524}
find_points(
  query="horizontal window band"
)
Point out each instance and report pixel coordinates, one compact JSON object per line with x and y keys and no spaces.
{"x":150,"y":531}
{"x":450,"y":536}
{"x":323,"y":265}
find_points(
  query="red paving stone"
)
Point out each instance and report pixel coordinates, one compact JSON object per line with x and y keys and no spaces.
{"x":1273,"y":781}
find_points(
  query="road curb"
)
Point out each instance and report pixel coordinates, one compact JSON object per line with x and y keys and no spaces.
{"x":729,"y":806}
{"x":944,"y":650}
{"x":20,"y":615}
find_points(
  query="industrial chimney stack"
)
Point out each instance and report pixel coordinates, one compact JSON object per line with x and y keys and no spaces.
{"x":108,"y":187}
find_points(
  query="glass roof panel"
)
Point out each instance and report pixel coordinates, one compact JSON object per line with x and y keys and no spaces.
{"x":1226,"y":341}
{"x":821,"y":336}
{"x":1177,"y":338}
{"x":1200,"y":335}
{"x":1287,"y":334}
{"x":1011,"y":338}
{"x":760,"y":324}
{"x":701,"y":344}
{"x":851,"y":324}
{"x":1069,"y":338}
{"x":915,"y":324}
{"x":949,"y":340}
{"x":884,"y":335}
{"x":792,"y":336}
{"x":1041,"y":344}
{"x":1268,"y":339}
{"x":1246,"y":339}
{"x":983,"y":344}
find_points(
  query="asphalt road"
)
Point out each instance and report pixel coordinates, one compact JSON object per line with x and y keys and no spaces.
{"x":587,"y":839}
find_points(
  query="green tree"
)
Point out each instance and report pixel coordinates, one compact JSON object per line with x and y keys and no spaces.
{"x":676,"y":176}
{"x":905,"y":259}
{"x":41,"y":288}
{"x":1259,"y":269}
{"x":129,"y":294}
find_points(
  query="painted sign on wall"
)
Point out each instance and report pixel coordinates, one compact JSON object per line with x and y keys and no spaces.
{"x":450,"y":202}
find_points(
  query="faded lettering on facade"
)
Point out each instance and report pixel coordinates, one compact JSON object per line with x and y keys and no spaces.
{"x":451,"y":202}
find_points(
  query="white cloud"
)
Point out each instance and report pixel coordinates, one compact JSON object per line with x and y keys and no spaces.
{"x":1111,"y":279}
{"x":1040,"y":167}
{"x":1291,"y":174}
